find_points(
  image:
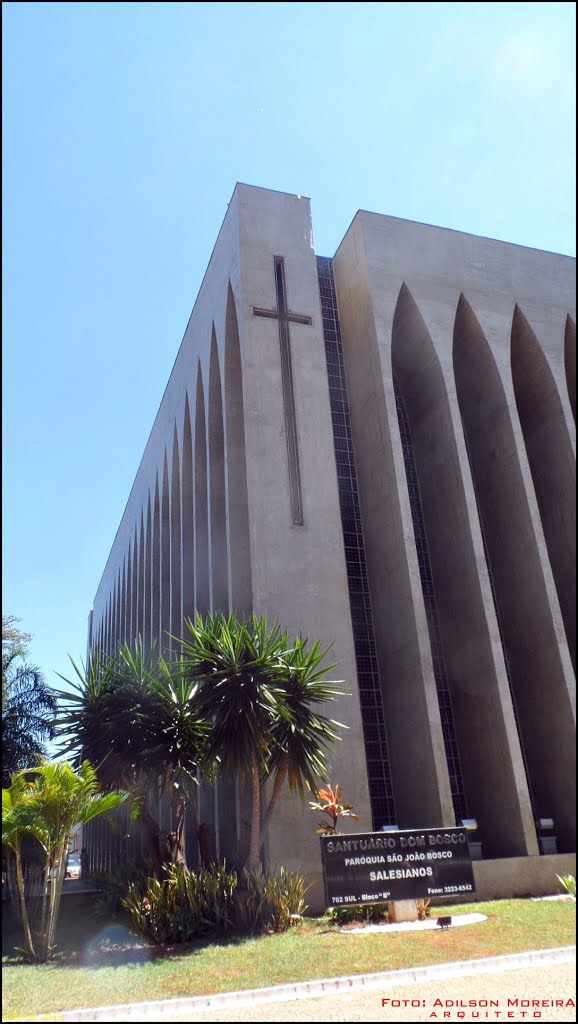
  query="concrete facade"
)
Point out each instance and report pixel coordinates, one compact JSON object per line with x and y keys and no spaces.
{"x":432,"y":379}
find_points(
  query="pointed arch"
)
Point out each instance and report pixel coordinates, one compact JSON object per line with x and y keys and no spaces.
{"x":237,"y":497}
{"x":176,"y":542}
{"x":217,"y":490}
{"x":466,"y":674}
{"x":529,"y":638}
{"x":202,"y":595}
{"x":551,"y":462}
{"x":156,"y":569}
{"x":570,"y":361}
{"x":141,"y":580}
{"x":188,"y":518}
{"x":165,"y":643}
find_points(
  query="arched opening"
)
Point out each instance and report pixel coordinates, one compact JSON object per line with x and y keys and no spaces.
{"x":217,"y":493}
{"x":551,"y":462}
{"x":529,"y":639}
{"x":202,"y":596}
{"x":466,"y":674}
{"x":237,"y":503}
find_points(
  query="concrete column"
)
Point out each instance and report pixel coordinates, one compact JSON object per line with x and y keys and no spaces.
{"x":165,"y":572}
{"x":419,"y":769}
{"x":188,"y":518}
{"x":202,"y":584}
{"x":176,"y":544}
{"x":297,"y":571}
{"x":237,"y":498}
{"x":217,"y":495}
{"x":538,"y":661}
{"x":552,"y":462}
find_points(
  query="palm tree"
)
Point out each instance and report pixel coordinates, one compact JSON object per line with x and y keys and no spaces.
{"x":239,"y":666}
{"x":136,"y":718}
{"x":257,"y":687}
{"x":301,"y":738}
{"x":28,"y":705}
{"x":18,"y":822}
{"x":48,"y":802}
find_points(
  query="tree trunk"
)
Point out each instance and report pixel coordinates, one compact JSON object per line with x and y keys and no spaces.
{"x":45,"y":895}
{"x":277,"y":787}
{"x":55,"y":894}
{"x":178,"y":808}
{"x":152,"y":835}
{"x":255,"y":837}
{"x":23,"y":908}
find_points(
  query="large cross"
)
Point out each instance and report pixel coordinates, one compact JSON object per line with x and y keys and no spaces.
{"x":285,"y":318}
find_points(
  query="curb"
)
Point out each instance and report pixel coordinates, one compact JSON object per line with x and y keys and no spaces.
{"x":310,"y":989}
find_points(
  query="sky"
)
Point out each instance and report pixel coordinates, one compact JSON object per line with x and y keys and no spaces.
{"x":125,"y":128}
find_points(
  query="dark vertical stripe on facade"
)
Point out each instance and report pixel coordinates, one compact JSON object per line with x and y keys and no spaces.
{"x":378,"y":770}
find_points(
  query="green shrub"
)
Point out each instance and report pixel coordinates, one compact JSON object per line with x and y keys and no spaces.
{"x":275,"y":899}
{"x":568,"y":882}
{"x":112,"y":885}
{"x":185,"y":906}
{"x":373,"y":913}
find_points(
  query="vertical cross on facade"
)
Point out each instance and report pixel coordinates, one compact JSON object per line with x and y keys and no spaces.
{"x":284,"y":317}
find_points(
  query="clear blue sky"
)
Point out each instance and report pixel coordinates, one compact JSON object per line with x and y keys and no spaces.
{"x":126,"y":126}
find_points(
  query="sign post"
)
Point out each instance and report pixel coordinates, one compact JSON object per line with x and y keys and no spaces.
{"x":386,"y":867}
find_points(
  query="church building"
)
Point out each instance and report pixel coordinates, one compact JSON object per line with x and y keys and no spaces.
{"x":378,"y":450}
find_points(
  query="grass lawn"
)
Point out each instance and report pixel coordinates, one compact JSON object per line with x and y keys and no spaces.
{"x":110,"y":965}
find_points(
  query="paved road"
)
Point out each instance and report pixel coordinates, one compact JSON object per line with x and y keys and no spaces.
{"x":547,"y":983}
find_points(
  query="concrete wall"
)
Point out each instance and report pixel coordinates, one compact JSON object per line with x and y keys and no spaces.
{"x":207,"y":525}
{"x":521,"y":876}
{"x":436,"y":309}
{"x":480,"y":337}
{"x":298,"y":571}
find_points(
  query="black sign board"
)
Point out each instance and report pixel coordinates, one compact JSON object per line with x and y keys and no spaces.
{"x":375,"y":867}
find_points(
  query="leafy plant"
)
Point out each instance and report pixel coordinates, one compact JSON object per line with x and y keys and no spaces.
{"x":184,"y":906}
{"x":568,"y":883}
{"x":275,"y":899}
{"x":329,"y":803}
{"x":259,"y":689}
{"x":46,"y":803}
{"x":28,"y":705}
{"x":112,"y":885}
{"x":240,"y":701}
{"x":138,"y":719}
{"x":373,"y":913}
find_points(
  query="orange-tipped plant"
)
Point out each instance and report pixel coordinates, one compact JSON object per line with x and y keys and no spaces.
{"x":329,"y":804}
